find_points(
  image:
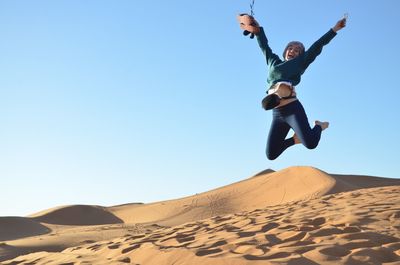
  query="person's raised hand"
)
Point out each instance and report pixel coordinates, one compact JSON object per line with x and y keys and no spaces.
{"x":249,"y":25}
{"x":340,"y":24}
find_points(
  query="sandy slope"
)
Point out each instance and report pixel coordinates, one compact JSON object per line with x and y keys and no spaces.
{"x":299,"y":215}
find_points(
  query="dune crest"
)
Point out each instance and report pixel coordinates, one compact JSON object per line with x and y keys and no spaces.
{"x":77,"y":215}
{"x":263,"y":189}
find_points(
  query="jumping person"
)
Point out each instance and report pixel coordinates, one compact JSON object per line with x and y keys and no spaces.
{"x":287,"y":111}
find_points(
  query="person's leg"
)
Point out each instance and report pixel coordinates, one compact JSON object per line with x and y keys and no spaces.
{"x":276,"y":142}
{"x":308,"y":136}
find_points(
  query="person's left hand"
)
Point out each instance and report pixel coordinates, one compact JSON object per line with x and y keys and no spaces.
{"x":340,"y":24}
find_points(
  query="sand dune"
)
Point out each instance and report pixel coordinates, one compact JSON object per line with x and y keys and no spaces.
{"x":20,"y":227}
{"x":67,"y":215}
{"x":264,"y":189}
{"x":299,"y":215}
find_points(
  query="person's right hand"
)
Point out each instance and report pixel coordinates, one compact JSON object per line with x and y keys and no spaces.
{"x":248,"y":23}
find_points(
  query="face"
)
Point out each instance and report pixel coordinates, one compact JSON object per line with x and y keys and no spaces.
{"x":293,"y":51}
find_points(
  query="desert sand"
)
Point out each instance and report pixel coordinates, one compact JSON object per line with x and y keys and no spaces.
{"x":298,"y":215}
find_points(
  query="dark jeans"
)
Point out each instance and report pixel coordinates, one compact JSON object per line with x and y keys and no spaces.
{"x":290,"y":116}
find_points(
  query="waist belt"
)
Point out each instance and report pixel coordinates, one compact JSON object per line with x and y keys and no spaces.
{"x":274,"y":88}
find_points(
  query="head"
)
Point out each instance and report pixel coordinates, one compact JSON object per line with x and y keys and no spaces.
{"x":292,"y":50}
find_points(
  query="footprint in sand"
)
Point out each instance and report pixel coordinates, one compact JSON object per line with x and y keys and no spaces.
{"x":184,"y":239}
{"x":336,"y":251}
{"x":177,"y":239}
{"x":246,"y":234}
{"x":230,"y":228}
{"x":318,"y":221}
{"x":272,"y":239}
{"x":248,"y":250}
{"x":219,"y":219}
{"x":130,"y":238}
{"x":125,"y":260}
{"x":278,"y":255}
{"x":114,"y":246}
{"x":128,"y":249}
{"x":212,"y":249}
{"x":219,"y":243}
{"x":268,"y":227}
{"x":206,"y":252}
{"x":291,"y":236}
{"x":94,"y":247}
{"x":306,"y":228}
{"x":328,"y":231}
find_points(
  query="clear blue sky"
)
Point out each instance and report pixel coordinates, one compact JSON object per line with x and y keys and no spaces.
{"x":111,"y":102}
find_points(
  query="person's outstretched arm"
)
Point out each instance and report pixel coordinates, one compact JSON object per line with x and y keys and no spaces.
{"x":316,"y":48}
{"x":262,"y":40}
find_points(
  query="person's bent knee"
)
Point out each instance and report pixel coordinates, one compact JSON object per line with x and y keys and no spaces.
{"x":311,"y":145}
{"x":271,"y":156}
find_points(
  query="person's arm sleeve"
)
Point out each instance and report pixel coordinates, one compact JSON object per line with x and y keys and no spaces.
{"x":263,"y":43}
{"x":316,"y":48}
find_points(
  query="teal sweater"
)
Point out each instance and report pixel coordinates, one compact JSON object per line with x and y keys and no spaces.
{"x":290,"y":70}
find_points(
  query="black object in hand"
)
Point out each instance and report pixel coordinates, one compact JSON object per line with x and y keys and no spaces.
{"x":246,"y":32}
